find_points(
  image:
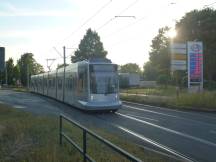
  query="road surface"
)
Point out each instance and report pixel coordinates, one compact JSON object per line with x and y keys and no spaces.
{"x":191,"y":135}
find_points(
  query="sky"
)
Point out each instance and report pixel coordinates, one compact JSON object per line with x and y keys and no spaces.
{"x":126,"y":27}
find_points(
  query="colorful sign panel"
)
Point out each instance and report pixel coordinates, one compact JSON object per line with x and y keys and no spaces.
{"x":195,"y":62}
{"x":178,"y":56}
{"x":2,"y":59}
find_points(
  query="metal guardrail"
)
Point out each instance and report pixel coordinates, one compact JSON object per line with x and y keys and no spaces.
{"x":83,"y":150}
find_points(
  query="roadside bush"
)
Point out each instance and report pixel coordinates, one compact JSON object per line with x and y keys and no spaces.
{"x":210,"y":85}
{"x":163,"y":79}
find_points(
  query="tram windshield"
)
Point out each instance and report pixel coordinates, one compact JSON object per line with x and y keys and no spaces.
{"x":103,"y":79}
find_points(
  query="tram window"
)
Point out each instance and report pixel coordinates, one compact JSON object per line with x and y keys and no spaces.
{"x":103,"y":79}
{"x":80,"y":83}
{"x":50,"y":83}
{"x":41,"y":83}
{"x":70,"y":83}
{"x":53,"y":82}
{"x":45,"y":83}
{"x":67,"y":83}
{"x":73,"y":82}
{"x":59,"y":83}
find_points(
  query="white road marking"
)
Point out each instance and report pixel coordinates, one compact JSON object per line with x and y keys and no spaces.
{"x":142,"y":117}
{"x":155,"y":143}
{"x":170,"y":130}
{"x":131,"y":107}
{"x":153,"y":106}
{"x":213,"y":131}
{"x":163,"y":108}
{"x":19,"y":107}
{"x":1,"y":102}
{"x":155,"y":112}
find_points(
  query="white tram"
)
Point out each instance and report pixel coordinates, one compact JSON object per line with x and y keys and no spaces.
{"x":88,"y":85}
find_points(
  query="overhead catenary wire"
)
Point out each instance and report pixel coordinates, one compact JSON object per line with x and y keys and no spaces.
{"x":57,"y":51}
{"x":128,"y":7}
{"x":132,"y":24}
{"x":205,"y":6}
{"x":83,"y":24}
{"x":95,"y":14}
{"x":88,"y":20}
{"x":128,"y":26}
{"x":98,"y":11}
{"x":121,"y":12}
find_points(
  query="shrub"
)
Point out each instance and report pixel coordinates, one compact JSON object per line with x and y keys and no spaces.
{"x":210,"y":85}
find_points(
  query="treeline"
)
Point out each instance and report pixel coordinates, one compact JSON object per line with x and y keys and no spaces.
{"x":197,"y":25}
{"x":17,"y":74}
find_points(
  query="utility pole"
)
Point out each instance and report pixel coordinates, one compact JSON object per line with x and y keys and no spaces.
{"x":64,"y":72}
{"x":64,"y":55}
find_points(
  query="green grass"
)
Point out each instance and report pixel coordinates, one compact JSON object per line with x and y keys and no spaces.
{"x":199,"y":101}
{"x":29,"y":138}
{"x":157,"y":91}
{"x":16,"y":88}
{"x":20,"y":89}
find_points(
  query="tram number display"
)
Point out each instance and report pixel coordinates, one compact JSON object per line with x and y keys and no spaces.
{"x":103,"y":68}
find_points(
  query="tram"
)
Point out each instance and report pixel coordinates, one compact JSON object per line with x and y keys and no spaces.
{"x":89,"y":85}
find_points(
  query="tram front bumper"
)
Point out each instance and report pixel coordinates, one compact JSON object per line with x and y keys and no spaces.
{"x":101,"y":105}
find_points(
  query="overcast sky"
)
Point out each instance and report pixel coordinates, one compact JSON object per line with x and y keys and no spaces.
{"x":42,"y":25}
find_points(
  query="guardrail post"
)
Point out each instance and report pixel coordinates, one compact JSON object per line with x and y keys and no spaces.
{"x":84,"y":145}
{"x":60,"y":130}
{"x":83,"y":150}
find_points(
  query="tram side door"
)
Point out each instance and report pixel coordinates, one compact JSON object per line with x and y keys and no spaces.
{"x":82,"y":83}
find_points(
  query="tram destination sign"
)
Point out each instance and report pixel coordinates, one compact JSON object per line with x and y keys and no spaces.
{"x":2,"y":59}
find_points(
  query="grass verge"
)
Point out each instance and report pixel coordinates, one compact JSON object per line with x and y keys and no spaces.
{"x":20,"y":89}
{"x":26,"y":137}
{"x":199,"y":101}
{"x":157,"y":91}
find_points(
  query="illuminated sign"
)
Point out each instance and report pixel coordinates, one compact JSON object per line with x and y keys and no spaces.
{"x":195,"y":62}
{"x":2,"y":59}
{"x":178,"y":56}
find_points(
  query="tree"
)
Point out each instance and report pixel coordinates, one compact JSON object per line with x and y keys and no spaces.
{"x":160,"y":52}
{"x":130,"y":68}
{"x":61,"y":65}
{"x":150,"y":72}
{"x":16,"y":72}
{"x":13,"y":73}
{"x":199,"y":25}
{"x":163,"y":79}
{"x":10,"y":71}
{"x":28,"y":65}
{"x":90,"y":47}
{"x":159,"y":56}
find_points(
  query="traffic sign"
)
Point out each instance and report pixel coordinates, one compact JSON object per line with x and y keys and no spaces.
{"x":2,"y":59}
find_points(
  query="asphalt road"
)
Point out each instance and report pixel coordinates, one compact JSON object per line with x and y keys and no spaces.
{"x":189,"y":134}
